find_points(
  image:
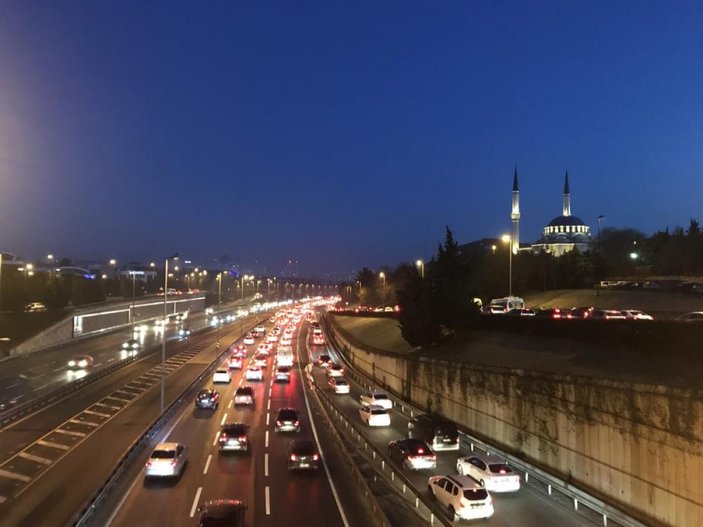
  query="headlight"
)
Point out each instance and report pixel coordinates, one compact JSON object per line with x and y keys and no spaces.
{"x":71,"y":363}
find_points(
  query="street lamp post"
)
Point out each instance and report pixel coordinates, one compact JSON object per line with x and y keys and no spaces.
{"x":507,"y":239}
{"x":134,"y":283}
{"x":421,"y":265}
{"x":383,"y":277}
{"x":163,"y":336}
{"x":219,"y":291}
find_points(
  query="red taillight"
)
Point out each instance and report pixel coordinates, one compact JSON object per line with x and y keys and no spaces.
{"x":292,"y":457}
{"x":243,"y":438}
{"x":278,"y":423}
{"x":148,"y":464}
{"x":297,"y":423}
{"x":315,"y":457}
{"x":173,"y":463}
{"x":223,"y":438}
{"x":420,"y":451}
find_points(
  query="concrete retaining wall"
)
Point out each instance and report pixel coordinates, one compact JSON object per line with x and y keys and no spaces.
{"x":639,"y":447}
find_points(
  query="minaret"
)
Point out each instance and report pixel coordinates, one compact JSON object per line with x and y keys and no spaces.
{"x":515,"y":216}
{"x":567,"y":197}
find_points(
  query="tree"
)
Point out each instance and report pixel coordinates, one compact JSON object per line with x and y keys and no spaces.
{"x":419,"y":321}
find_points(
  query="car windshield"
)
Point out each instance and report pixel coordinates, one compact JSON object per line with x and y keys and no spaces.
{"x":380,"y":411}
{"x":287,"y":415}
{"x":163,"y":454}
{"x":234,"y":430}
{"x":379,"y":396}
{"x":244,"y":391}
{"x":303,"y":449}
{"x":500,"y":468}
{"x":204,"y":395}
{"x":284,"y":369}
{"x":341,"y":382}
{"x":475,"y":494}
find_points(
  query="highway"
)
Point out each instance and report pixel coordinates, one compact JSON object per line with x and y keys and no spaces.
{"x":261,"y":478}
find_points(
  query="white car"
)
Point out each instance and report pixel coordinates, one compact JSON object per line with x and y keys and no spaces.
{"x":462,"y":497}
{"x":338,"y":384}
{"x":244,"y":395}
{"x":374,"y":415}
{"x":377,"y":398}
{"x":166,"y":460}
{"x":254,"y":373}
{"x":490,"y":471}
{"x":336,"y":370}
{"x":282,"y":374}
{"x":272,"y":338}
{"x":222,"y":375}
{"x":286,"y":341}
{"x":634,"y":314}
{"x":249,"y":340}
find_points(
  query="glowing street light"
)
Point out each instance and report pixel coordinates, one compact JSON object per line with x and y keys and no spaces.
{"x":421,"y":265}
{"x":382,"y":275}
{"x":507,"y":239}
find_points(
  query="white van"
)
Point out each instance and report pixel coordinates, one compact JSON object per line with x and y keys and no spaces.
{"x":285,"y":357}
{"x":505,"y":304}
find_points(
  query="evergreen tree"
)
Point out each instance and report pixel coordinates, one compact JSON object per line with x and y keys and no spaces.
{"x":419,"y":321}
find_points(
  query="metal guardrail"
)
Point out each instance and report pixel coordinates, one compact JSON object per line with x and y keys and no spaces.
{"x":549,"y":482}
{"x":131,"y":455}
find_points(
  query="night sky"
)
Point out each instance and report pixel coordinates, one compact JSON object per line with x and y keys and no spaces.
{"x":343,"y":135}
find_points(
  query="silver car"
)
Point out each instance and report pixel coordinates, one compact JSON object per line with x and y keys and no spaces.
{"x":166,"y":460}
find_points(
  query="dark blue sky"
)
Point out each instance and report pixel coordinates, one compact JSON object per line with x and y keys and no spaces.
{"x":341,"y":135}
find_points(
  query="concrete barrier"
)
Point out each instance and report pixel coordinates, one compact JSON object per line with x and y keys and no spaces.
{"x":637,"y":446}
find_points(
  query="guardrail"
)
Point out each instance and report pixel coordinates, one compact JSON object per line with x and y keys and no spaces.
{"x":131,"y":455}
{"x":538,"y":478}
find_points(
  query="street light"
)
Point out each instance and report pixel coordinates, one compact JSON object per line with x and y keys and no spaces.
{"x":163,"y":337}
{"x":219,"y":291}
{"x":382,"y":275}
{"x":506,"y":239}
{"x":421,"y":265}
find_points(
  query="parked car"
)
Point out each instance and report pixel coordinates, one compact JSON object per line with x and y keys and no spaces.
{"x":461,"y":496}
{"x":216,"y":513}
{"x":166,"y":460}
{"x":490,"y":471}
{"x":437,"y":431}
{"x":413,"y":454}
{"x":302,"y":455}
{"x":207,"y":399}
{"x":233,"y":436}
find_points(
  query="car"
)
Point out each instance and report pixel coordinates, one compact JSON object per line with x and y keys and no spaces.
{"x":260,"y":330}
{"x":318,"y":340}
{"x":233,"y":436}
{"x":285,"y":357}
{"x":554,"y":313}
{"x":335,"y":370}
{"x":34,"y":307}
{"x":166,"y":460}
{"x":461,"y":496}
{"x":282,"y":373}
{"x":244,"y":395}
{"x":437,"y":431}
{"x":216,"y":513}
{"x":263,"y":349}
{"x":287,"y":420}
{"x":520,"y":312}
{"x":272,"y":337}
{"x":249,"y":340}
{"x":184,"y":333}
{"x":338,"y":384}
{"x":234,"y":362}
{"x":131,"y":345}
{"x":261,"y":360}
{"x":606,"y":314}
{"x":254,"y":373}
{"x":374,"y":415}
{"x":80,"y":362}
{"x":490,"y":471}
{"x":413,"y":454}
{"x":693,"y":317}
{"x":579,"y":312}
{"x":207,"y":399}
{"x":302,"y":455}
{"x":634,"y":314}
{"x":240,"y":351}
{"x":222,"y":375}
{"x":286,"y":341}
{"x":324,"y":361}
{"x":377,"y":398}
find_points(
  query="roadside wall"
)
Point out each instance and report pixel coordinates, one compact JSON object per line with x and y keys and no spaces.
{"x":639,"y":447}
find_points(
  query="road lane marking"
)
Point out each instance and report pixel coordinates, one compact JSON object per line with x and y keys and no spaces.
{"x":207,"y":463}
{"x":229,"y":405}
{"x":55,"y":370}
{"x":51,"y":444}
{"x":32,"y":457}
{"x":268,"y":404}
{"x":267,"y":439}
{"x":14,"y":475}
{"x":93,"y":412}
{"x":268,"y":416}
{"x":217,"y":436}
{"x":266,"y":465}
{"x":268,"y":502}
{"x":195,"y":501}
{"x":69,"y":432}
{"x":83,"y":422}
{"x":224,"y":418}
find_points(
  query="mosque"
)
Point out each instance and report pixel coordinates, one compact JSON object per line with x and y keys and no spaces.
{"x":563,"y":234}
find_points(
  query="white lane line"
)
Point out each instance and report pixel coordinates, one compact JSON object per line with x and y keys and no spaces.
{"x":32,"y":457}
{"x":195,"y":501}
{"x":97,"y":364}
{"x":217,"y":436}
{"x":266,"y":444}
{"x":207,"y":463}
{"x":268,"y":417}
{"x":69,"y":432}
{"x":53,"y":371}
{"x":14,"y":475}
{"x":3,"y":499}
{"x":224,"y":418}
{"x":266,"y":465}
{"x":51,"y":444}
{"x":268,"y":404}
{"x":83,"y":422}
{"x":319,"y":447}
{"x":270,"y":390}
{"x":93,"y":412}
{"x":229,"y":405}
{"x":268,"y":502}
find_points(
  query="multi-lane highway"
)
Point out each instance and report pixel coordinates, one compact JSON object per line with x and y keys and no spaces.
{"x":261,"y":478}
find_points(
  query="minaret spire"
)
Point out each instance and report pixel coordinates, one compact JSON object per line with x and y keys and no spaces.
{"x":567,"y":196}
{"x":515,"y":216}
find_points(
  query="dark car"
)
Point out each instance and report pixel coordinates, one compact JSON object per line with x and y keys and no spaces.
{"x":302,"y":455}
{"x":207,"y":399}
{"x":412,"y":453}
{"x":324,"y":361}
{"x":222,"y":512}
{"x":440,"y":433}
{"x":287,"y":420}
{"x":579,"y":312}
{"x":234,"y":436}
{"x":553,"y":312}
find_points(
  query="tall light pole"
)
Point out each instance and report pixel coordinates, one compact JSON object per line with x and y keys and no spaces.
{"x":163,"y":336}
{"x":134,"y":283}
{"x":507,"y":239}
{"x":219,"y":291}
{"x":600,"y":218}
{"x":382,"y":275}
{"x":421,"y":265}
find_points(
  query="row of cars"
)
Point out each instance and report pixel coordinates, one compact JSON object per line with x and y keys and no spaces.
{"x":580,"y":313}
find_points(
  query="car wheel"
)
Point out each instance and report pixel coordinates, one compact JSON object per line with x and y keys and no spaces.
{"x":452,"y":513}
